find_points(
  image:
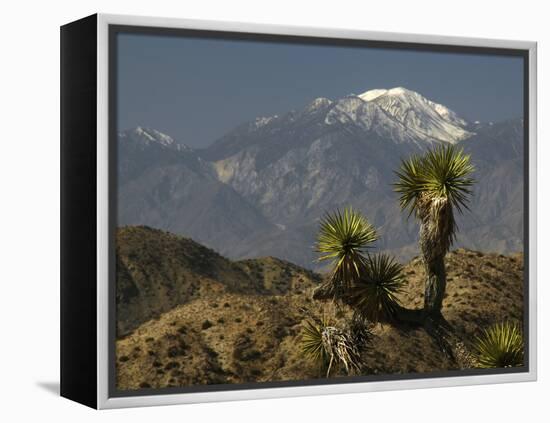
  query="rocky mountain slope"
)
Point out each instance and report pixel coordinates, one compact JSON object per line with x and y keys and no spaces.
{"x":224,"y":332}
{"x":166,"y":186}
{"x":157,"y":271}
{"x":261,"y":188}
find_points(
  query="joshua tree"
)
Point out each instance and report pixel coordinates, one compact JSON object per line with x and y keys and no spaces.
{"x":432,"y":186}
{"x":368,"y":283}
{"x":344,"y":238}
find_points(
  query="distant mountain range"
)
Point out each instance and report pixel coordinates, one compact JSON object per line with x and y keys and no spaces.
{"x":261,"y":188}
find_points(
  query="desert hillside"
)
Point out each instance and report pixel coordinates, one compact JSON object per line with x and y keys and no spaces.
{"x":206,"y":320}
{"x":157,"y":270}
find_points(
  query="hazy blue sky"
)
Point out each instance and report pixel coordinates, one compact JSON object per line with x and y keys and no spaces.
{"x":198,"y":89}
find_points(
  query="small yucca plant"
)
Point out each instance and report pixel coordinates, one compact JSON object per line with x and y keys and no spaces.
{"x":341,"y":349}
{"x":375,"y":293}
{"x":344,"y":238}
{"x":360,"y":331}
{"x":328,"y":345}
{"x":500,"y":346}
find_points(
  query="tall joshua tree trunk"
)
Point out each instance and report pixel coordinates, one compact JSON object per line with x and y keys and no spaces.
{"x":436,"y":232}
{"x":436,"y":282}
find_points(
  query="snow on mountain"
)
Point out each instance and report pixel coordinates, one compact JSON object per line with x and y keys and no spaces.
{"x":419,"y":114}
{"x":145,"y":137}
{"x":372,"y":94}
{"x":448,"y":114}
{"x":261,"y":121}
{"x":400,"y":115}
{"x":369,"y":117}
{"x":318,"y":103}
{"x":397,"y":115}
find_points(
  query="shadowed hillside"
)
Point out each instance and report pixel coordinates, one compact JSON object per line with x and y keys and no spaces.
{"x":207,"y":320}
{"x":157,"y":270}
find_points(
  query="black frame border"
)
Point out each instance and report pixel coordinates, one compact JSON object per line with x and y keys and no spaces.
{"x":115,"y":29}
{"x":78,"y":211}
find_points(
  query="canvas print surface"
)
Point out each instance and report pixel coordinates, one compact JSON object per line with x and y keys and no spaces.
{"x":297,"y":211}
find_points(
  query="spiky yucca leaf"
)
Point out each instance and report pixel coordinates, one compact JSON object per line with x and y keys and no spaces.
{"x":375,"y":293}
{"x":442,"y":172}
{"x":500,"y":346}
{"x":447,"y":171}
{"x":409,"y":183}
{"x":343,"y":238}
{"x":312,"y":341}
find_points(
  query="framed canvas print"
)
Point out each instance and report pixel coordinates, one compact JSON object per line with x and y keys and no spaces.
{"x":254,"y":211}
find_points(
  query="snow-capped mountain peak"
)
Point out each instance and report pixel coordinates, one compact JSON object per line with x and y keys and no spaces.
{"x":420,"y":114}
{"x":372,"y":94}
{"x":378,"y":92}
{"x":147,"y":136}
{"x":155,"y":136}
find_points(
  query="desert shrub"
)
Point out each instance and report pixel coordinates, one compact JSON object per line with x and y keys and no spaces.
{"x":206,"y":324}
{"x":360,"y":331}
{"x":280,"y":332}
{"x":500,"y":346}
{"x":252,"y":354}
{"x":210,"y":352}
{"x":175,"y":351}
{"x":244,"y":349}
{"x":171,"y":365}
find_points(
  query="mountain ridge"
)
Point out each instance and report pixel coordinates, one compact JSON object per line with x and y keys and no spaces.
{"x":261,"y":188}
{"x":158,"y":270}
